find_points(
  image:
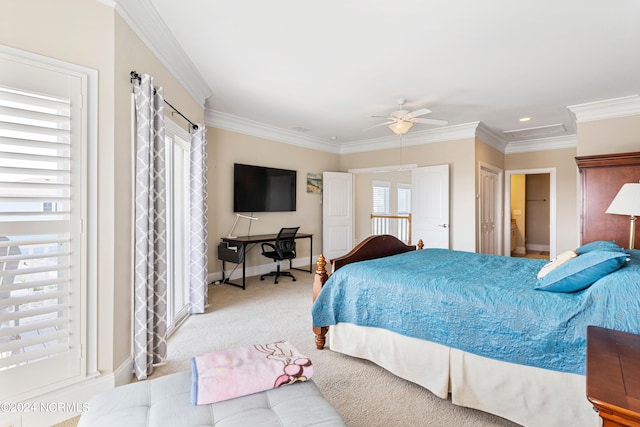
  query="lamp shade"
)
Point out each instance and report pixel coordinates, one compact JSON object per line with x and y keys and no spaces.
{"x":400,"y":127}
{"x":627,"y":201}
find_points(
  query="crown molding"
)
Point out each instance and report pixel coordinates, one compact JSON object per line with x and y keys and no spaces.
{"x":488,"y":136}
{"x":478,"y":130}
{"x":233,"y":123}
{"x":145,"y":21}
{"x":542,"y":144}
{"x":606,"y":109}
{"x":430,"y":136}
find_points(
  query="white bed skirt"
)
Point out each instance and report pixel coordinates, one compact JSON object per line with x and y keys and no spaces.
{"x":526,"y":395}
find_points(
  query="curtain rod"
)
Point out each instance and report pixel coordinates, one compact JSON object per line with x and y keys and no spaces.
{"x":136,"y":76}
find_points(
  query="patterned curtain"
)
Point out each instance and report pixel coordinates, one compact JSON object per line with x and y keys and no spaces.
{"x":150,"y":258}
{"x":198,"y":213}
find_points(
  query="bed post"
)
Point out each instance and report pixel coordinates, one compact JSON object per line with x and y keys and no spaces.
{"x":319,"y":281}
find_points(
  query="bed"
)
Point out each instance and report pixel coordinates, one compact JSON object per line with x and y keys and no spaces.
{"x":481,"y":334}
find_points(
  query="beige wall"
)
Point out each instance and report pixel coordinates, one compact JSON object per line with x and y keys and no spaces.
{"x":518,"y":211}
{"x":227,"y":148}
{"x":567,"y":216}
{"x":619,"y":135}
{"x":460,"y":157}
{"x":60,"y":30}
{"x":133,"y":55}
{"x":91,"y":34}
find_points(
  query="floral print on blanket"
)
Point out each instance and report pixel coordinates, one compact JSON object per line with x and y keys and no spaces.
{"x":227,"y":374}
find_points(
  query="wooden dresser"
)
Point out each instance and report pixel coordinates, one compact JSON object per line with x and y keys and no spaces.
{"x":613,"y":376}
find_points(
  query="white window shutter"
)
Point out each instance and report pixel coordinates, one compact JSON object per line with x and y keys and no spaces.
{"x":41,"y":211}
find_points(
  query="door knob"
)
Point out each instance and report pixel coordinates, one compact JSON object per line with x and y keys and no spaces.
{"x":443,"y":225}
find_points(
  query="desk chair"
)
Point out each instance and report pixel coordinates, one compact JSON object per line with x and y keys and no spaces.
{"x":283,"y":248}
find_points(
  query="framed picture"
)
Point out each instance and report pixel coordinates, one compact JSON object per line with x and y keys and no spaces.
{"x":314,"y":183}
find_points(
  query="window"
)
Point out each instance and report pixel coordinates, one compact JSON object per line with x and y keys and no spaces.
{"x":381,"y":198}
{"x":404,"y":199}
{"x":44,"y":255}
{"x":178,"y":167}
{"x":380,"y":207}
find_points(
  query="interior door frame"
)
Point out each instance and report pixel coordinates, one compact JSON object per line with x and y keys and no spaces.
{"x":552,"y":207}
{"x":499,"y":173}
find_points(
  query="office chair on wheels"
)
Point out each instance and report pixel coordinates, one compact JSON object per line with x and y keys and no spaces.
{"x":283,"y":248}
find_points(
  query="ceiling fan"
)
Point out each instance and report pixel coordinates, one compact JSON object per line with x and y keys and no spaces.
{"x":402,"y":120}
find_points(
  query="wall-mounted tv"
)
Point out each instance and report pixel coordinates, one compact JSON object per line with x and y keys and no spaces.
{"x":263,"y":189}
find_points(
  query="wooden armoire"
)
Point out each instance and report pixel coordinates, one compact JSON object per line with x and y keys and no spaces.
{"x":601,"y":177}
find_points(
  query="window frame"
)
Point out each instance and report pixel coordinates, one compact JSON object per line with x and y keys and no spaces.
{"x":176,"y":136}
{"x":88,"y":165}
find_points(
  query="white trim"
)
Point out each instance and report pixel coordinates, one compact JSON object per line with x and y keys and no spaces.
{"x":542,"y":144}
{"x":258,"y":270}
{"x":382,"y":169}
{"x":498,"y":202}
{"x":552,"y":207}
{"x":477,"y":130}
{"x":75,"y":396}
{"x":89,"y":309}
{"x":145,"y":21}
{"x":442,"y":134}
{"x":606,"y":109}
{"x":488,"y":136}
{"x":244,"y":126}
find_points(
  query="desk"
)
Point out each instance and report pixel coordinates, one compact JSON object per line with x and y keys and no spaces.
{"x":613,"y":376}
{"x":242,"y":242}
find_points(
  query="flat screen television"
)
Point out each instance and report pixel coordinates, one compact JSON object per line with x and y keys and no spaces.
{"x":263,"y":189}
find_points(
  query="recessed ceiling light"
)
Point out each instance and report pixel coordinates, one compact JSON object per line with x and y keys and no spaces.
{"x":525,"y":119}
{"x":333,"y":138}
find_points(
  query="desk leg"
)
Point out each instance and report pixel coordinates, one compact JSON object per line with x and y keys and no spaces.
{"x":310,"y":270}
{"x":310,"y":254}
{"x":244,"y":260}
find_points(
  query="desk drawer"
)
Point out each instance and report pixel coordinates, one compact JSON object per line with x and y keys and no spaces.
{"x":230,"y":253}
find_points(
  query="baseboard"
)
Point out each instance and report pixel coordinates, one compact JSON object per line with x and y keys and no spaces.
{"x":258,"y":270}
{"x":60,"y":405}
{"x":533,"y":247}
{"x":520,"y":250}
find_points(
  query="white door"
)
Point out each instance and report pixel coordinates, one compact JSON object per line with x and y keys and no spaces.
{"x":490,"y":201}
{"x":430,"y":206}
{"x":337,"y":214}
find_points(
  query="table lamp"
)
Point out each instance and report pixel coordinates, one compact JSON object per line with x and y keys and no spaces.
{"x":627,"y":202}
{"x":238,"y":216}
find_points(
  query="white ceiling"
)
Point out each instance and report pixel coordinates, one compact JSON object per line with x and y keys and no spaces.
{"x":320,"y":69}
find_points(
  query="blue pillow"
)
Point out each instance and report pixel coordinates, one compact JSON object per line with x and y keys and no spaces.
{"x":582,"y":271}
{"x":599,"y":245}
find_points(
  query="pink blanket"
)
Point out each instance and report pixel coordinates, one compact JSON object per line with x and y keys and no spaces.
{"x":225,"y":374}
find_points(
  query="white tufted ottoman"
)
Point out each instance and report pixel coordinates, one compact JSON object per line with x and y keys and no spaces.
{"x":165,"y":402}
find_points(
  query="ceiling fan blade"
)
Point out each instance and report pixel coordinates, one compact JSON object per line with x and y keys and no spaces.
{"x":379,"y":124}
{"x":380,"y":117}
{"x":431,"y":121}
{"x":420,"y":112}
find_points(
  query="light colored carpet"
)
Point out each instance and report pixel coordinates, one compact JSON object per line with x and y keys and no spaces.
{"x":365,"y":394}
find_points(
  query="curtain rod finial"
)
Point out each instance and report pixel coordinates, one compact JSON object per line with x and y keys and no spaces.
{"x":135,"y":76}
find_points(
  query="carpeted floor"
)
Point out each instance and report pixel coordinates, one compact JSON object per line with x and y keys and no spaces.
{"x":365,"y":394}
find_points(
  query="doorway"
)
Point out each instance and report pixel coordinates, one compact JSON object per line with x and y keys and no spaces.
{"x":530,"y":213}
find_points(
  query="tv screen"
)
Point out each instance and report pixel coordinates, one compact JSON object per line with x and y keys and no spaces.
{"x":262,"y":189}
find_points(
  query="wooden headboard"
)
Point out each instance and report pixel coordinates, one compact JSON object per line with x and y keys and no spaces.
{"x":601,"y":177}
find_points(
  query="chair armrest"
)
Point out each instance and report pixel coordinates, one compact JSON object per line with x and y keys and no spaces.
{"x":270,"y":247}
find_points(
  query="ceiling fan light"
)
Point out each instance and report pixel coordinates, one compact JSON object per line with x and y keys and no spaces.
{"x":400,"y":127}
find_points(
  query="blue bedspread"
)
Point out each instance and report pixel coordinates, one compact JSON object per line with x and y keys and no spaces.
{"x":482,"y":304}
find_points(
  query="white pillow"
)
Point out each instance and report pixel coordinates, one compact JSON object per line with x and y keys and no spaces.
{"x":560,"y":259}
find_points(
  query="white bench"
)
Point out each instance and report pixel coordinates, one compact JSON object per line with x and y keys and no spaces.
{"x":166,"y":402}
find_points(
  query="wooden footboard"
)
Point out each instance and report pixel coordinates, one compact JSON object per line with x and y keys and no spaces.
{"x":372,"y":247}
